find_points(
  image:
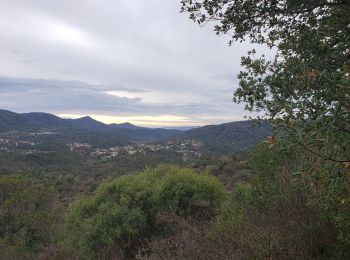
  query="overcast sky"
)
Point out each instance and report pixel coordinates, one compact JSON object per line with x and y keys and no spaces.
{"x":116,"y":60}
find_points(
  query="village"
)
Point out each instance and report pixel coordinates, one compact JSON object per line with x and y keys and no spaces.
{"x":7,"y":143}
{"x":21,"y":143}
{"x":188,"y":148}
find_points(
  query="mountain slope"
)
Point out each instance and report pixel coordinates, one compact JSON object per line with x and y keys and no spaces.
{"x":218,"y":139}
{"x":86,"y":127}
{"x":10,"y":121}
{"x":229,"y":137}
{"x":126,"y":125}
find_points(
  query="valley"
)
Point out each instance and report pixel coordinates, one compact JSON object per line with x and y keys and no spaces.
{"x":75,"y":155}
{"x":34,"y":133}
{"x":43,"y":142}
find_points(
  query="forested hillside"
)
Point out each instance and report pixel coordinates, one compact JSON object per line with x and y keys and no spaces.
{"x":229,"y":137}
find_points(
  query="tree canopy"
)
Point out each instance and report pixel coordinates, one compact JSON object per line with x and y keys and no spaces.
{"x":305,"y":88}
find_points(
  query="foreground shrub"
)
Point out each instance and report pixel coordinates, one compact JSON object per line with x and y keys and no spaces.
{"x":295,"y":207}
{"x":117,"y":219}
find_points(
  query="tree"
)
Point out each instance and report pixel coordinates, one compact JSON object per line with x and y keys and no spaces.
{"x":305,"y":88}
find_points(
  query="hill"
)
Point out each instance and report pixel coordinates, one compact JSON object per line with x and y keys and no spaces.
{"x":228,"y":137}
{"x":217,"y":139}
{"x":84,"y":129}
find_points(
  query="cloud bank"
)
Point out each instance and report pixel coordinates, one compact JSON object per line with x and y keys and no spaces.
{"x":116,"y":60}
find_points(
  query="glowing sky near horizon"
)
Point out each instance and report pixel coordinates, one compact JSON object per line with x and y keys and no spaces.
{"x":148,"y":121}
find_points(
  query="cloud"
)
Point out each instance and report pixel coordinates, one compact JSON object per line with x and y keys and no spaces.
{"x":79,"y":98}
{"x":116,"y":58}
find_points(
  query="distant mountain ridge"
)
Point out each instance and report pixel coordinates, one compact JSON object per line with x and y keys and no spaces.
{"x":10,"y":121}
{"x":31,"y":122}
{"x":223,"y":138}
{"x":126,"y":125}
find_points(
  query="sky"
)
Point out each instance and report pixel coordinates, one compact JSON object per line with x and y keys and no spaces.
{"x":117,"y":61}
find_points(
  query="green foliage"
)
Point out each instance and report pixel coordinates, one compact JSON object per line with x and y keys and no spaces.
{"x":26,"y":217}
{"x":306,"y":88}
{"x":123,"y":213}
{"x":295,"y":206}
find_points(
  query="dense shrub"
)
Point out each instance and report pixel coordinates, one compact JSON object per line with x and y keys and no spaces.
{"x":295,"y":207}
{"x":26,"y":217}
{"x":123,"y":213}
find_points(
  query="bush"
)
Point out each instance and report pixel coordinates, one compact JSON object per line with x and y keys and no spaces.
{"x":26,"y":216}
{"x":121,"y":214}
{"x":295,"y":207}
